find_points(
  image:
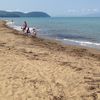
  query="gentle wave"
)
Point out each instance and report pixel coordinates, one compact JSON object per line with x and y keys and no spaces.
{"x":12,"y":25}
{"x":18,"y":28}
{"x":83,"y":43}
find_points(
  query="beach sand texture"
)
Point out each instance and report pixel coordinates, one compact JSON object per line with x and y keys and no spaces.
{"x":38,"y":69}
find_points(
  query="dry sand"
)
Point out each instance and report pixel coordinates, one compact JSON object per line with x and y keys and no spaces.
{"x":38,"y":69}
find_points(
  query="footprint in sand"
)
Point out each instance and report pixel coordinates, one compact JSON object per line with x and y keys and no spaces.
{"x":93,"y":86}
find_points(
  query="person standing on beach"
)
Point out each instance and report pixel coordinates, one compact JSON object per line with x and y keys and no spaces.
{"x":24,"y":26}
{"x":27,"y":30}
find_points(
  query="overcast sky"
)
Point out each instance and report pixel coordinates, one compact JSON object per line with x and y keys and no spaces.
{"x":53,"y":7}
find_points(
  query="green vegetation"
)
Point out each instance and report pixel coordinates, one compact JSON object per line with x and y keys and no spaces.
{"x":21,"y":14}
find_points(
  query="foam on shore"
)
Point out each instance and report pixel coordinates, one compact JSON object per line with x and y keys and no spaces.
{"x":11,"y":24}
{"x":81,"y":43}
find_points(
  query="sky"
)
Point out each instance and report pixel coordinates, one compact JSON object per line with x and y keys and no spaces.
{"x":53,"y":7}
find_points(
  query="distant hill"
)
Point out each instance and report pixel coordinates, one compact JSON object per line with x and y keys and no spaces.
{"x":21,"y":14}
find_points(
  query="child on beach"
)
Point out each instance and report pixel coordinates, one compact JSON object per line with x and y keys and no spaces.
{"x":34,"y":33}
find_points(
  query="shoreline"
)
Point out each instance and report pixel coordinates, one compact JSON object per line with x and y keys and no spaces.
{"x":73,"y":42}
{"x":60,"y":43}
{"x":41,"y":69}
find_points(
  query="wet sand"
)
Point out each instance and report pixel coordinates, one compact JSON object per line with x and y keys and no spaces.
{"x":39,"y":69}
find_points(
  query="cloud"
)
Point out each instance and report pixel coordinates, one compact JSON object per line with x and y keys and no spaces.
{"x":96,"y":10}
{"x":72,"y":10}
{"x":81,"y":11}
{"x":90,"y":10}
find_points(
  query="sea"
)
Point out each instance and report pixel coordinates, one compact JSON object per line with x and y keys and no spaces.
{"x":83,"y":31}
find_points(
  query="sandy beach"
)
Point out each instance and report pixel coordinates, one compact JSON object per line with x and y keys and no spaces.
{"x":40,"y":69}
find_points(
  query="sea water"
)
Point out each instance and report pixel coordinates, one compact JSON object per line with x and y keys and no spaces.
{"x":83,"y":31}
